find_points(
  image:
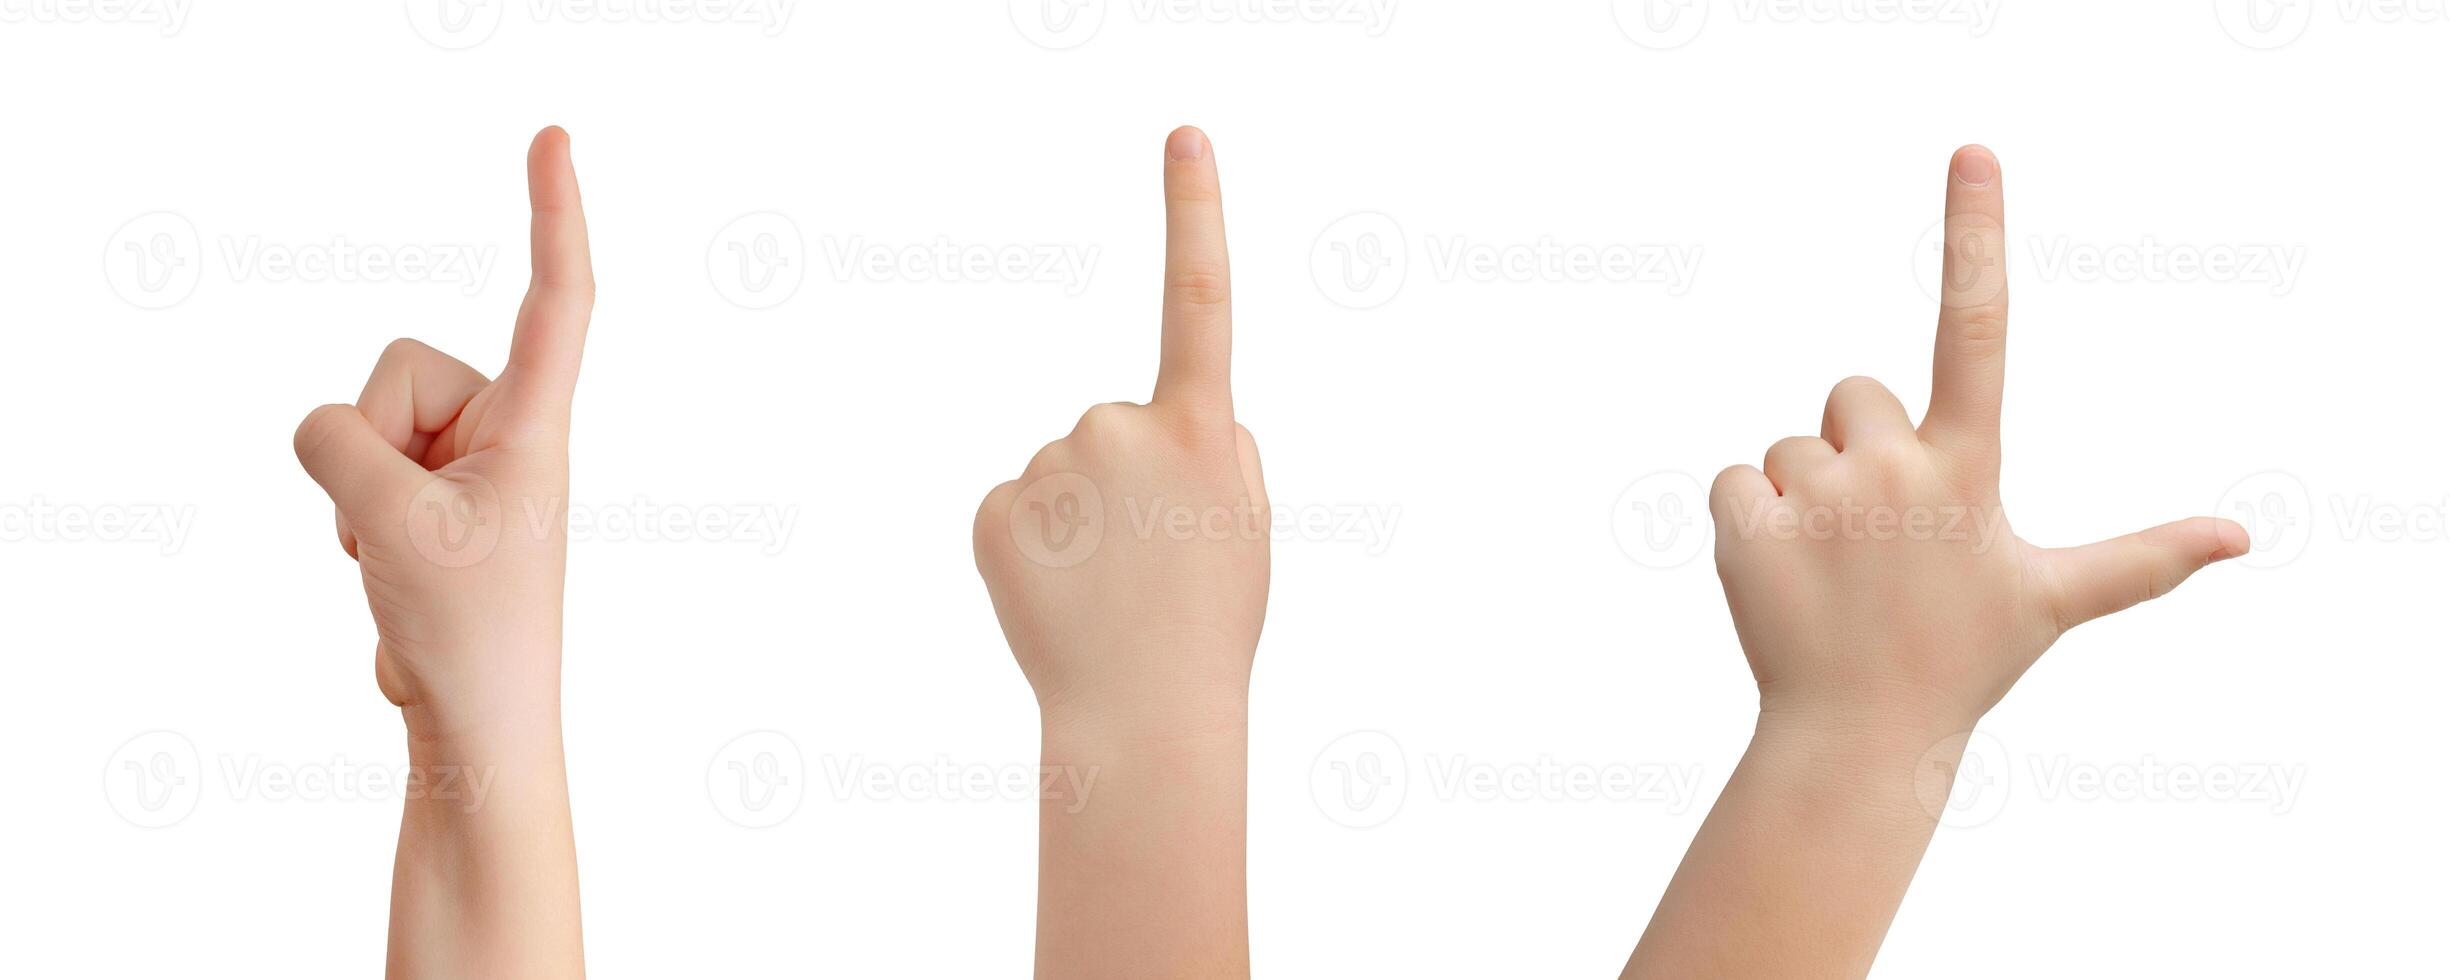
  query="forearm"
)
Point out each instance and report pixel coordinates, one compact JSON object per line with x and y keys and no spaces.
{"x":1802,"y":863}
{"x":486,"y":882}
{"x":1141,"y":844}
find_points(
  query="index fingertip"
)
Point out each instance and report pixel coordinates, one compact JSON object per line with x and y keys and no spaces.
{"x":1974,"y":165}
{"x":1186,"y":144}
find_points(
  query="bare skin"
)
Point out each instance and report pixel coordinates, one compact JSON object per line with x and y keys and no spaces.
{"x":439,"y":474}
{"x":1129,"y":567}
{"x":1879,"y":641}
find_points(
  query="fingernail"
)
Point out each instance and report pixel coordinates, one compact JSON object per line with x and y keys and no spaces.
{"x":1976,"y":166}
{"x":1186,"y":144}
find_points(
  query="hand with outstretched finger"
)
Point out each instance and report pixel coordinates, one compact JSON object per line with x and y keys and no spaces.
{"x":1885,"y":606}
{"x":1871,"y":569}
{"x":1130,"y":559}
{"x":451,"y":490}
{"x":1129,"y":567}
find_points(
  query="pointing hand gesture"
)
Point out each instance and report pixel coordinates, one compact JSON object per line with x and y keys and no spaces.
{"x":1885,"y":606}
{"x":1871,"y":569}
{"x":1129,"y":566}
{"x":451,"y":490}
{"x":1131,"y":557}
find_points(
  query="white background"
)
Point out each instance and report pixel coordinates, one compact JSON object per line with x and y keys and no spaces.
{"x":1504,"y":424}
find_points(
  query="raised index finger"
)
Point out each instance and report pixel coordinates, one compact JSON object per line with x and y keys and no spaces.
{"x":1194,"y":373}
{"x":552,"y":331}
{"x":1969,"y":362}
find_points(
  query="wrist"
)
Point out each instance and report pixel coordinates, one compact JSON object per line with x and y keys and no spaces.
{"x":1864,"y":720}
{"x":1895,"y":770}
{"x":1146,"y":713}
{"x":513,"y":701}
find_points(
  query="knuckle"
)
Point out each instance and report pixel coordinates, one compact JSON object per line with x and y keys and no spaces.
{"x":1200,"y":287}
{"x":991,"y":527}
{"x":1984,"y":325}
{"x":1047,"y":456}
{"x":1102,"y":416}
{"x":1198,"y":192}
{"x":318,"y":426}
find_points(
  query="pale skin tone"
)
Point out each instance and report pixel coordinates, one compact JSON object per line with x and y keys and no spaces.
{"x":1129,"y":567}
{"x":437,"y":472}
{"x":1876,"y":651}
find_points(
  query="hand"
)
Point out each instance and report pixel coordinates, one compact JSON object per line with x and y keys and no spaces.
{"x":1885,"y":606}
{"x":1129,"y":563}
{"x":1871,"y":570}
{"x":1129,"y":566}
{"x":451,"y":487}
